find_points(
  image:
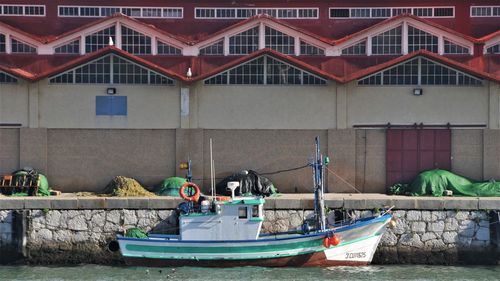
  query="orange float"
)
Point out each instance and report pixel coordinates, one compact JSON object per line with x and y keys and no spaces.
{"x":191,"y":198}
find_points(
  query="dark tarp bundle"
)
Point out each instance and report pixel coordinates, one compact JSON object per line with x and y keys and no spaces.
{"x":250,"y":184}
{"x":169,"y":186}
{"x":28,"y":173}
{"x":435,"y":182}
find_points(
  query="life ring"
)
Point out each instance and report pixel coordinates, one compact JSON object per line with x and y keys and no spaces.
{"x":192,"y":198}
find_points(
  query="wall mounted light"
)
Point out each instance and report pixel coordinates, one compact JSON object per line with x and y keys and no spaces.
{"x":111,"y":91}
{"x":418,"y":92}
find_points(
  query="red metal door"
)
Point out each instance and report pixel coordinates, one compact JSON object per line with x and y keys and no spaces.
{"x":412,"y":151}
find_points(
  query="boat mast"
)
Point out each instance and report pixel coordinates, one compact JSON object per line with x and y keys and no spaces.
{"x":319,"y":203}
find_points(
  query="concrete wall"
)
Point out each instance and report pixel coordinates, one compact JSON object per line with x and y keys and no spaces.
{"x":9,"y":150}
{"x":437,"y":105}
{"x":266,"y":107}
{"x":73,"y":106}
{"x":87,"y":160}
{"x":14,"y":103}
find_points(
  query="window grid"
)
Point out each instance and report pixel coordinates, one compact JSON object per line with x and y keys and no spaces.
{"x":213,"y":49}
{"x":420,"y":71}
{"x":245,"y":42}
{"x":23,"y":10}
{"x":387,"y":12}
{"x":310,"y":50}
{"x":279,"y":41}
{"x":495,"y":49}
{"x":111,"y":69}
{"x":22,"y":48}
{"x":453,"y":48}
{"x":485,"y":11}
{"x":242,"y":13}
{"x":7,"y":79}
{"x":104,"y":11}
{"x":166,"y":49}
{"x":418,"y":39}
{"x":2,"y":43}
{"x":265,"y":70}
{"x":135,"y":42}
{"x":72,"y":47}
{"x":99,"y":40}
{"x":387,"y":43}
{"x":356,"y":49}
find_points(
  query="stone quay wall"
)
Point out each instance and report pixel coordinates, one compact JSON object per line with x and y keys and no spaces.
{"x":74,"y":235}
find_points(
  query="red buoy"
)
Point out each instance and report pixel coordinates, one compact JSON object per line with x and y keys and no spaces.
{"x":334,"y":240}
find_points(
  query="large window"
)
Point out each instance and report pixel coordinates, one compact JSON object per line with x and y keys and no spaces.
{"x":418,"y":39}
{"x":241,"y":13}
{"x":453,"y":48}
{"x":265,"y":70}
{"x":111,"y":69}
{"x":99,"y":40}
{"x":387,"y":12}
{"x":387,"y":43}
{"x":420,"y":71}
{"x":485,"y":11}
{"x":7,"y":79}
{"x":495,"y":49}
{"x":23,"y":10}
{"x":104,"y":11}
{"x":356,"y":49}
{"x":245,"y":42}
{"x":72,"y":47}
{"x":213,"y":49}
{"x":2,"y":43}
{"x":279,"y":41}
{"x":20,"y":47}
{"x":310,"y":50}
{"x":135,"y":42}
{"x":166,"y":49}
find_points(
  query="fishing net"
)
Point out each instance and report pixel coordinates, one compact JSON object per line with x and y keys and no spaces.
{"x":169,"y":186}
{"x":126,"y":187}
{"x":136,"y":233}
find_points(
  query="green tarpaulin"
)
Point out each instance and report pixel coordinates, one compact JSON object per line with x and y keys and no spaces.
{"x":169,"y":187}
{"x":43,"y":184}
{"x":135,"y":233}
{"x":435,"y":182}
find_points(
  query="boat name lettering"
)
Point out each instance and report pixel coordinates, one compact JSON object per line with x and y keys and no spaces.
{"x":358,"y":255}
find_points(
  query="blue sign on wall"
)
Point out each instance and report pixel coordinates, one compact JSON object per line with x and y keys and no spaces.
{"x":111,"y":105}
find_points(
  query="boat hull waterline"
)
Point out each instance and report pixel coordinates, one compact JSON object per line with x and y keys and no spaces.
{"x":357,"y":247}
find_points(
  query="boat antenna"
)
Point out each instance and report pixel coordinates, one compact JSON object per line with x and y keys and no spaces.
{"x":211,"y":170}
{"x":318,"y":173}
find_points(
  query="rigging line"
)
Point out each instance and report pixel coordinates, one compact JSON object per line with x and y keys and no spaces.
{"x":350,"y":185}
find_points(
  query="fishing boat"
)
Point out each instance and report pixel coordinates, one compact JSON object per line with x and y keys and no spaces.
{"x":226,"y":231}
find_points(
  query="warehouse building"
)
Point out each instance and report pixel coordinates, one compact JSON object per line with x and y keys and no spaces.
{"x":88,"y":92}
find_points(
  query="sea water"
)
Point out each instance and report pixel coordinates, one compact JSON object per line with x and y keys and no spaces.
{"x":374,"y":272}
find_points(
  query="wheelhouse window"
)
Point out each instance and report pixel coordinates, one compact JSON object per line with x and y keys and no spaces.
{"x":279,"y":41}
{"x":72,"y":47}
{"x":421,"y":71}
{"x":265,"y":70}
{"x":418,"y":39}
{"x":242,"y":213}
{"x":387,"y":43}
{"x":111,"y":69}
{"x":99,"y":40}
{"x":245,"y":42}
{"x":20,"y":47}
{"x":255,"y":211}
{"x":135,"y":42}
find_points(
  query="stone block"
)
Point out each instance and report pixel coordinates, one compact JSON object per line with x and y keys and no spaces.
{"x":91,"y":203}
{"x":461,"y":203}
{"x":450,"y":237}
{"x":116,"y":203}
{"x":37,"y":203}
{"x":489,"y":204}
{"x":332,"y":203}
{"x":64,"y":204}
{"x":436,"y":226}
{"x":404,"y":203}
{"x":163,"y":203}
{"x":354,"y":204}
{"x":138,"y":203}
{"x":287,"y":204}
{"x":378,"y":203}
{"x":430,"y":203}
{"x":418,"y":227}
{"x":11,"y":203}
{"x":413,"y":215}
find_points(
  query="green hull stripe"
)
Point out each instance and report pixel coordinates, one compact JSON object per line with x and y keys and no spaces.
{"x":224,"y":250}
